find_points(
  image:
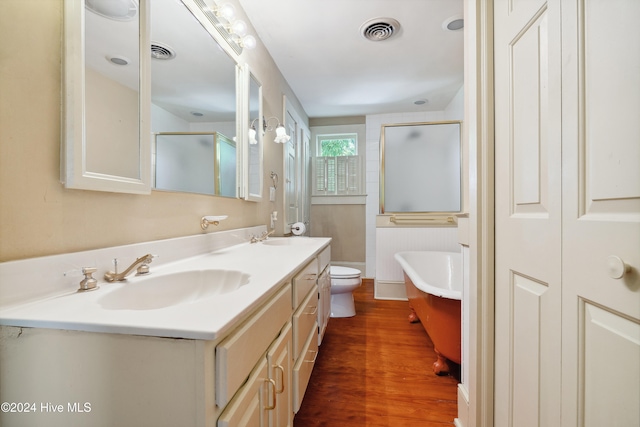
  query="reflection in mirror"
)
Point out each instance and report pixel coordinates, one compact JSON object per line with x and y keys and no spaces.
{"x":421,"y":167}
{"x":106,"y":142}
{"x":255,"y":145}
{"x":197,"y":162}
{"x":193,"y":105}
{"x":112,"y":89}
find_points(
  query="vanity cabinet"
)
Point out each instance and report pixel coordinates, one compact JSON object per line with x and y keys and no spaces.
{"x":255,"y":373}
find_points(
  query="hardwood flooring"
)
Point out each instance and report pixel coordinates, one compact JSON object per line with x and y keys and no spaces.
{"x":374,"y":370}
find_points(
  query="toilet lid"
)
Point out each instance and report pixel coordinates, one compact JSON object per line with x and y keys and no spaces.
{"x":344,"y":272}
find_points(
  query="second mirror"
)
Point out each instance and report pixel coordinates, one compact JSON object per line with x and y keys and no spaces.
{"x":193,"y":104}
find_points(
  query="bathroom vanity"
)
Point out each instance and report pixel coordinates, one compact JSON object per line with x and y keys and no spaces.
{"x":242,"y":357}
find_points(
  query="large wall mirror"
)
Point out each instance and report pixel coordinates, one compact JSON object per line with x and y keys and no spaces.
{"x":421,"y":167}
{"x":151,"y":99}
{"x":193,"y":105}
{"x":106,"y":141}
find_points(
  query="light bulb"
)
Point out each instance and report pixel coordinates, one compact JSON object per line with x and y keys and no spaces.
{"x":249,"y":42}
{"x":226,"y":11}
{"x":238,"y":27}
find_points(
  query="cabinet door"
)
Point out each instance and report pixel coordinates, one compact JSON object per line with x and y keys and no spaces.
{"x":280,"y":366}
{"x":238,"y":354}
{"x":303,"y":367}
{"x":249,"y":408}
{"x":324,"y":302}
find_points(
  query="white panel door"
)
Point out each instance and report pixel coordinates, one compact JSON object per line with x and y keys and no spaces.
{"x":601,"y":213}
{"x":528,"y":213}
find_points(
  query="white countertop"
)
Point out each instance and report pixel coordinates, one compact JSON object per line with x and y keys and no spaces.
{"x":269,"y":266}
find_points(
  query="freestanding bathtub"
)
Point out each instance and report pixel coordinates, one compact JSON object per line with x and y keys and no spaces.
{"x":434,"y":288}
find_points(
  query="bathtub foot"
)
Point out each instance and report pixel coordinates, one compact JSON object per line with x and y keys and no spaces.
{"x":440,"y":366}
{"x":413,"y":317}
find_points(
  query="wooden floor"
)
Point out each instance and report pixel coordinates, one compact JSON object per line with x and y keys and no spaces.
{"x":374,"y":370}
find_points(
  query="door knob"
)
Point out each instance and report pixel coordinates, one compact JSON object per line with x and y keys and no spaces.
{"x":616,"y":267}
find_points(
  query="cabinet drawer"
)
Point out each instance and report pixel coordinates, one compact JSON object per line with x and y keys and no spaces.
{"x":247,"y":409}
{"x":304,"y":320}
{"x":324,"y":258}
{"x":303,"y":368}
{"x":237,"y":355}
{"x":304,"y":281}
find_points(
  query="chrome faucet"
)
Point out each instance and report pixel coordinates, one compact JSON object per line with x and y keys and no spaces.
{"x":143,"y":268}
{"x":264,"y":236}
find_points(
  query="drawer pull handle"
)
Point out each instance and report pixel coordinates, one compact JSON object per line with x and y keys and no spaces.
{"x":273,"y":394}
{"x":315,"y":310}
{"x":311,"y":276}
{"x":315,"y":356}
{"x":281,"y":369}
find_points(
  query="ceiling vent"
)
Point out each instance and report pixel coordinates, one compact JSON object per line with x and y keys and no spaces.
{"x":379,"y":29}
{"x":164,"y":52}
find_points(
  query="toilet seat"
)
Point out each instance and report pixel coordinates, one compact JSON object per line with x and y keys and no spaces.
{"x":339,"y":272}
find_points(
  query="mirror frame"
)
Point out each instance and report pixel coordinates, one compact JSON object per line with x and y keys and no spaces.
{"x":242,"y":134}
{"x":73,"y":170}
{"x":383,"y":146}
{"x":246,"y":110}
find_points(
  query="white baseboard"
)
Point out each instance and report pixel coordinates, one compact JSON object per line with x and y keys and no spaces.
{"x":390,"y":290}
{"x":463,"y":407}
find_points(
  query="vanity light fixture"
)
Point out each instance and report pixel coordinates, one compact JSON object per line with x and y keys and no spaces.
{"x":252,"y":134}
{"x":236,"y":28}
{"x":267,"y":126}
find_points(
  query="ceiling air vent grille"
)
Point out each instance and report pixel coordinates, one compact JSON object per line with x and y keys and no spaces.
{"x":379,"y":29}
{"x":159,"y":51}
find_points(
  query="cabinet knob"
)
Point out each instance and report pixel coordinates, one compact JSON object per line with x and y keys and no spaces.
{"x":616,"y":267}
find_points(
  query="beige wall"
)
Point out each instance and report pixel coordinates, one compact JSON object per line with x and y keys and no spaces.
{"x":38,"y":216}
{"x":345,"y":224}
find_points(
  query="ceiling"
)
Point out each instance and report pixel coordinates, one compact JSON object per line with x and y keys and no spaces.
{"x":334,"y":71}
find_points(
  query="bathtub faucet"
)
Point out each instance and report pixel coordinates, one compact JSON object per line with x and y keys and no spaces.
{"x":143,"y":268}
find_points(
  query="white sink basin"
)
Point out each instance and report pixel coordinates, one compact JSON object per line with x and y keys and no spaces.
{"x":287,"y":241}
{"x":172,"y":289}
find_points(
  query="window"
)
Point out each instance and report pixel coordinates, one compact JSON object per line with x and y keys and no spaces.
{"x":337,"y":145}
{"x":337,"y":165}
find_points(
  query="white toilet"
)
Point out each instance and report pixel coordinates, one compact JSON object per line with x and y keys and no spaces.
{"x":344,"y":281}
